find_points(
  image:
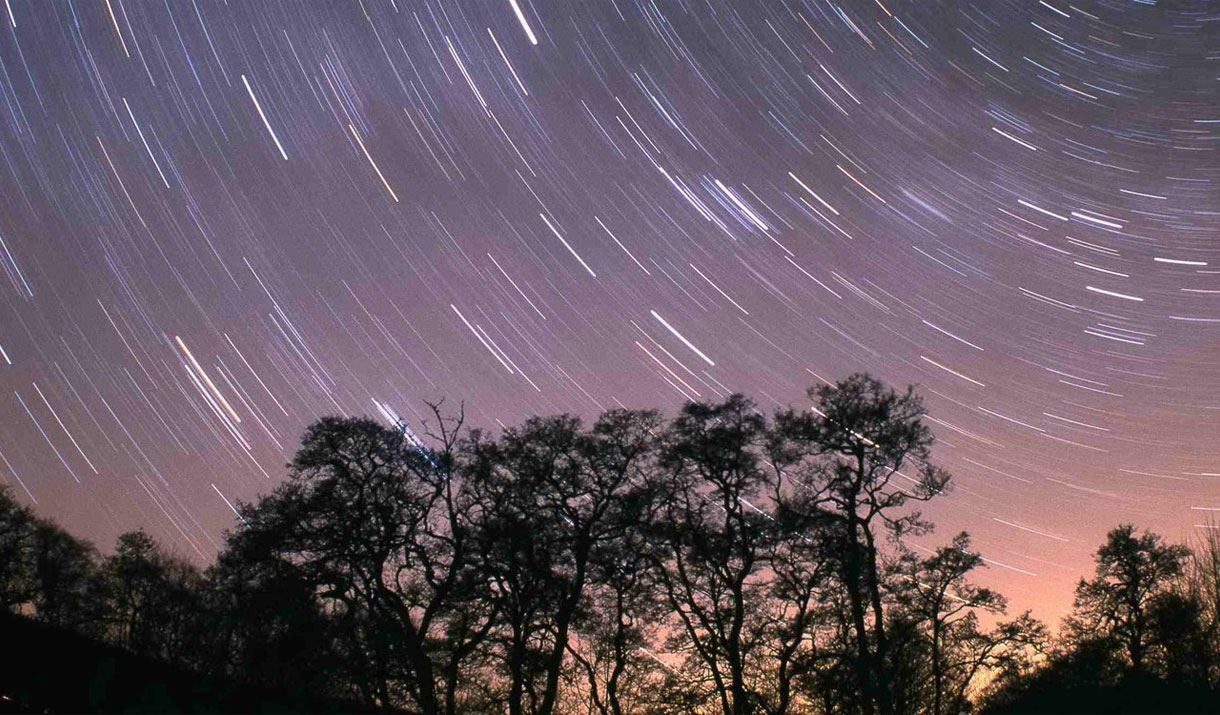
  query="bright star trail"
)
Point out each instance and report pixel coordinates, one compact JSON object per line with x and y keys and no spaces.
{"x":221,"y":221}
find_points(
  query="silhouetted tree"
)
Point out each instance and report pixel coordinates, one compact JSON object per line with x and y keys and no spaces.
{"x":47,"y":573}
{"x":68,"y":590}
{"x":17,"y":527}
{"x":940,"y":610}
{"x":1180,"y":639}
{"x":615,"y":631}
{"x":709,"y":541}
{"x":267,"y":625}
{"x":1134,"y":572}
{"x":803,"y":613}
{"x":1136,"y":641}
{"x":717,"y":561}
{"x":376,"y":524}
{"x":153,"y":599}
{"x":1201,"y":584}
{"x":850,"y":452}
{"x":615,"y":626}
{"x":549,"y":497}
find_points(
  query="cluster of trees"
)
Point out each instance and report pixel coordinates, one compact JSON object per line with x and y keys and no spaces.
{"x":1143,"y":636}
{"x":718,"y":561}
{"x":140,"y":597}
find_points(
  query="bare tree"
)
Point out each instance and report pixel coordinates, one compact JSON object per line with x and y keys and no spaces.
{"x":1201,"y":584}
{"x":855,"y":444}
{"x":377,"y":523}
{"x":617,"y":624}
{"x":943,"y":609}
{"x":550,"y":495}
{"x":709,"y":542}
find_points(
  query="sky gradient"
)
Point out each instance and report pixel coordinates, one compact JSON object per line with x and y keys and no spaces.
{"x":222,"y":220}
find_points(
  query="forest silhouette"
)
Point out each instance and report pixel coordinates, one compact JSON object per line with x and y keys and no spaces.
{"x":717,"y":561}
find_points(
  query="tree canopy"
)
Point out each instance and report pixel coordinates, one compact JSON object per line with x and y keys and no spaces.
{"x":720,"y":560}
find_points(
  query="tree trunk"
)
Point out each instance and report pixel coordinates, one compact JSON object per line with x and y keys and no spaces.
{"x":563,"y":622}
{"x":937,"y":675}
{"x":516,"y":672}
{"x":620,"y":656}
{"x":881,"y":682}
{"x":864,"y":664}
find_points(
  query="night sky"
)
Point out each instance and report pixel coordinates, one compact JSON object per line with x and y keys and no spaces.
{"x":222,"y":220}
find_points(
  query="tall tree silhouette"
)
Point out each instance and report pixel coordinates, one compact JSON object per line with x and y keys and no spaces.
{"x":854,"y":446}
{"x":800,"y":593}
{"x":617,"y":626}
{"x":716,"y":561}
{"x":549,"y":497}
{"x":376,"y":523}
{"x":709,"y":540}
{"x":618,"y":620}
{"x":1202,"y":585}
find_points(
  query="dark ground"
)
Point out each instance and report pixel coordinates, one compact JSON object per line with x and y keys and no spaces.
{"x":50,"y":670}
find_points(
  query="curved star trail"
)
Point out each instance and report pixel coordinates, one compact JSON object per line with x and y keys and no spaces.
{"x":219,"y":221}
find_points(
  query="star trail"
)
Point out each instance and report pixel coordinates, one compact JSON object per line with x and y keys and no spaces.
{"x":222,"y":220}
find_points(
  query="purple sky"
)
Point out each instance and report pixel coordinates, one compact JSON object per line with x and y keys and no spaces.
{"x":219,"y":221}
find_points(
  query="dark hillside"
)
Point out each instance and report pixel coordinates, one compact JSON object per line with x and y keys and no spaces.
{"x":51,"y":670}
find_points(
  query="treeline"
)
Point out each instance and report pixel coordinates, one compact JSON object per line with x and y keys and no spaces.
{"x":718,"y":561}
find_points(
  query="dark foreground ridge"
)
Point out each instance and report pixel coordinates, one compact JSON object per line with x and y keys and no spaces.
{"x":52,"y":670}
{"x":1132,"y":696}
